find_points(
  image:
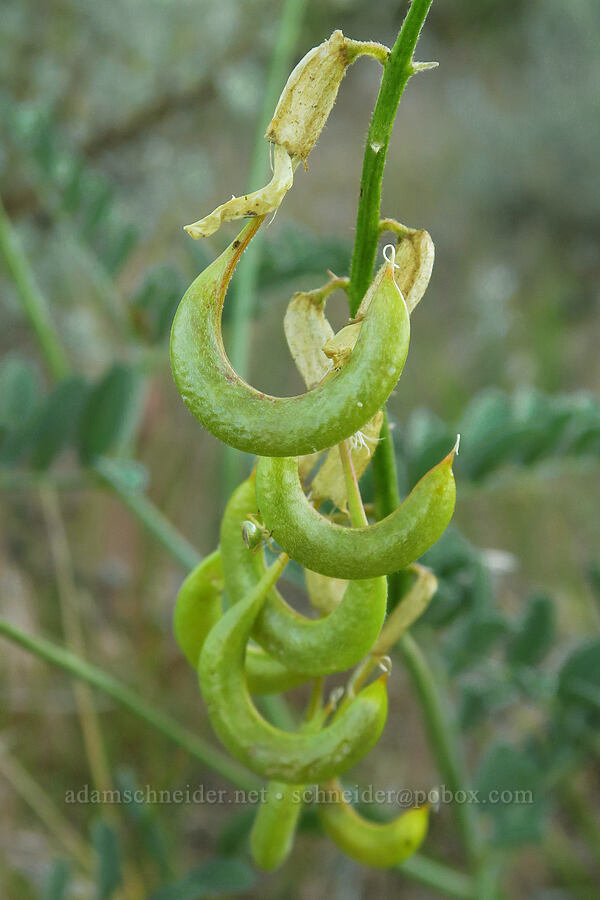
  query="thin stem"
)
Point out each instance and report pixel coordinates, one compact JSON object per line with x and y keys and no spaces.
{"x":396,"y":73}
{"x":31,"y":298}
{"x":243,"y":289}
{"x":387,"y":496}
{"x":277,"y":711}
{"x":32,"y":481}
{"x":439,"y":877}
{"x":44,"y":807}
{"x":441,"y":738}
{"x":138,"y":503}
{"x":69,"y":609}
{"x":153,"y":520}
{"x":119,"y":692}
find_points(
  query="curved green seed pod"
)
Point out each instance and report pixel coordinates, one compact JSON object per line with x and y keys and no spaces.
{"x":374,"y":844}
{"x":315,"y":646}
{"x":198,"y":606}
{"x":255,"y":422}
{"x":198,"y":609}
{"x":292,"y":757}
{"x":380,"y":549}
{"x":272,"y":835}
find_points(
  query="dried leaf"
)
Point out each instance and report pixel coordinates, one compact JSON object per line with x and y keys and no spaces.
{"x":409,"y":609}
{"x":414,"y":257}
{"x":311,"y":91}
{"x":258,"y":203}
{"x":413,"y":264}
{"x":306,"y":331}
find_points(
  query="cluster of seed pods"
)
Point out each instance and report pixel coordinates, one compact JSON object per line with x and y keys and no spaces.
{"x":306,"y":446}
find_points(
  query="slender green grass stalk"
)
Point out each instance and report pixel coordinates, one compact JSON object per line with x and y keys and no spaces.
{"x":31,"y":298}
{"x":45,"y":808}
{"x":442,"y":739}
{"x":438,"y":877}
{"x":243,"y":290}
{"x":152,"y":519}
{"x":138,"y":503}
{"x":119,"y":692}
{"x":71,"y":622}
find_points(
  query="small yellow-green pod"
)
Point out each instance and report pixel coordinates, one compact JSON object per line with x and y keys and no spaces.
{"x":315,"y":646}
{"x":379,"y":845}
{"x":330,"y":549}
{"x":272,"y":835}
{"x":255,"y":422}
{"x":292,"y":757}
{"x":198,"y":608}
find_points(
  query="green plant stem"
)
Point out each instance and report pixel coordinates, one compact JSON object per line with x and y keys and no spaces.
{"x":69,"y":603}
{"x":30,"y":296}
{"x":153,"y":520}
{"x":441,"y":738}
{"x":440,"y":733}
{"x":42,"y":804}
{"x":385,"y":481}
{"x":33,"y":481}
{"x":358,"y":516}
{"x":138,"y":503}
{"x":439,"y":877}
{"x":112,"y":687}
{"x":277,"y":711}
{"x":396,"y":73}
{"x":243,"y":289}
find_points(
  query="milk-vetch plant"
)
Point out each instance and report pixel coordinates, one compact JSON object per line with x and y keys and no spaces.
{"x":76,"y":429}
{"x":311,"y":449}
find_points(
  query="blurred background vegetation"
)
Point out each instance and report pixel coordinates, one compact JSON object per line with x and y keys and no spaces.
{"x":120,"y":123}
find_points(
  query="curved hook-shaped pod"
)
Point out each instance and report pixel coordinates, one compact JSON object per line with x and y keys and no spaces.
{"x":380,"y":549}
{"x":314,"y":646}
{"x":198,"y":608}
{"x":283,"y":426}
{"x":272,"y":835}
{"x":293,"y":757}
{"x":379,"y":845}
